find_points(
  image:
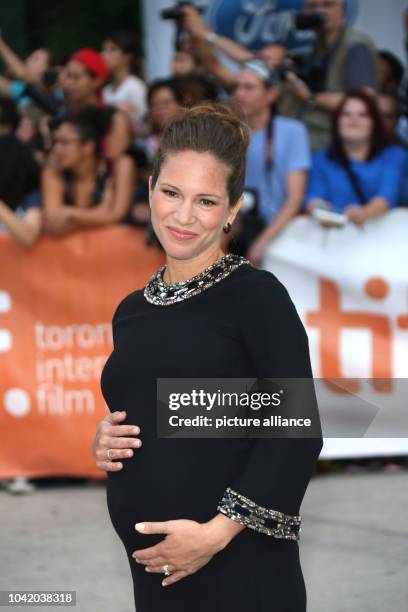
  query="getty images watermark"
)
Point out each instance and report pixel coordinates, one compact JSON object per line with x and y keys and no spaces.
{"x":281,"y":407}
{"x":236,"y":407}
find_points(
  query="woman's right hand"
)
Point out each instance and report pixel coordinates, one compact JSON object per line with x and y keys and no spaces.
{"x":112,"y":437}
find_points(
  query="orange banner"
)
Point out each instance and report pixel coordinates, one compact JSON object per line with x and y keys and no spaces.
{"x":56,"y":306}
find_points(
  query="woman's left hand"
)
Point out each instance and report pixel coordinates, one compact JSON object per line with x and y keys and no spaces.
{"x":187,"y":547}
{"x":356,"y":214}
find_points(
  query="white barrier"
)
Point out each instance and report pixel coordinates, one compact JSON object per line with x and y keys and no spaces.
{"x":350,"y":287}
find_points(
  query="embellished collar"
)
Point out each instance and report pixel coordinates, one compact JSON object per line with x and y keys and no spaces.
{"x":158,"y":292}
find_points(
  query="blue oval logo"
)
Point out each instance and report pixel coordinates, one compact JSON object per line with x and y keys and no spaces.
{"x":257,"y":23}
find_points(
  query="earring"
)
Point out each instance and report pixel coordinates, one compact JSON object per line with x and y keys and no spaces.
{"x":227,"y":228}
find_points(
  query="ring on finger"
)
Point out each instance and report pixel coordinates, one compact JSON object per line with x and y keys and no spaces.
{"x":108,"y":457}
{"x":166,"y":569}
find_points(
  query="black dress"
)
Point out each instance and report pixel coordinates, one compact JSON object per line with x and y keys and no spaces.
{"x":245,"y":325}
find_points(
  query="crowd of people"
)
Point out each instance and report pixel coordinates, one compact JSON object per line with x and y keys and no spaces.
{"x":77,"y":140}
{"x":329,"y":131}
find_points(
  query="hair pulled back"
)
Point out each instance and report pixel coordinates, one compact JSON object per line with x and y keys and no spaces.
{"x":208,"y":127}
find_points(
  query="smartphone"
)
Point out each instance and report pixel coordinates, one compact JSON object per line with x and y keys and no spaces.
{"x":329,"y":217}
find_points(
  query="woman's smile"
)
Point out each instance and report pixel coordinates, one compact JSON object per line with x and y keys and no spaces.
{"x":180,"y":234}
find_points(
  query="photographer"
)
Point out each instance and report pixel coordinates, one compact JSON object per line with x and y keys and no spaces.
{"x":205,"y":41}
{"x":343,"y":60}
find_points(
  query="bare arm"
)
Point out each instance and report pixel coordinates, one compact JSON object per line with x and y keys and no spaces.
{"x":328,"y":100}
{"x":205,"y":53}
{"x":25,"y":229}
{"x":198,"y":30}
{"x":12,"y":61}
{"x":52,"y":189}
{"x":56,"y":214}
{"x":232,"y":49}
{"x":295,"y":188}
{"x":325,"y":99}
{"x":195,"y":25}
{"x":374,"y":208}
{"x":114,"y":208}
{"x":119,"y":137}
{"x":4,"y":87}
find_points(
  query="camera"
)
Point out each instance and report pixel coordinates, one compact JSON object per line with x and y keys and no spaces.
{"x":174,"y":12}
{"x":50,"y":77}
{"x":308,"y":21}
{"x":302,"y":65}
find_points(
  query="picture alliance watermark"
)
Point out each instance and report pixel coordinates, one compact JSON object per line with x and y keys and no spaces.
{"x":204,"y":421}
{"x":281,"y":407}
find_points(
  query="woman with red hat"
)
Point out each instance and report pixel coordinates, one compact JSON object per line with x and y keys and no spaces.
{"x":84,"y":78}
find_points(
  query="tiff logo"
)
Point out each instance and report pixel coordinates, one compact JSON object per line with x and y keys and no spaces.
{"x":331,"y":320}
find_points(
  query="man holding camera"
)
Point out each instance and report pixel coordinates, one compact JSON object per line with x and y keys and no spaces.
{"x":205,"y":42}
{"x":343,"y":60}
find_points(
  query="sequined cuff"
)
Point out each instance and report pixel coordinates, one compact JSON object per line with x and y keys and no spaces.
{"x":271,"y":522}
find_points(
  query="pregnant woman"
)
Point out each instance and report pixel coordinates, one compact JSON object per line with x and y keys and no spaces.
{"x":208,"y":525}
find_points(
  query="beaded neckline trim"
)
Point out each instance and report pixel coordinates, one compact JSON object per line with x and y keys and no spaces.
{"x":158,"y":292}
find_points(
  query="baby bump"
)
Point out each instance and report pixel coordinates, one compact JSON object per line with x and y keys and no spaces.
{"x":126,"y":508}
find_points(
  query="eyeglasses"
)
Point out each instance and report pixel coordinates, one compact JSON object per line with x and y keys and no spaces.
{"x":325,"y":4}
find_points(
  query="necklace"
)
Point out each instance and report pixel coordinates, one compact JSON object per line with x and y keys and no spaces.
{"x":158,"y":292}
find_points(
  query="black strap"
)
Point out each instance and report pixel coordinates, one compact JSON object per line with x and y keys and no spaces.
{"x":355,"y":181}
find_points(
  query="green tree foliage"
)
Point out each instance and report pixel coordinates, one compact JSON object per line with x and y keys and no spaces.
{"x":67,"y":25}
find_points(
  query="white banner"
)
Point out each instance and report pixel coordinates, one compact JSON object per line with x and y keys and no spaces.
{"x":350,"y":287}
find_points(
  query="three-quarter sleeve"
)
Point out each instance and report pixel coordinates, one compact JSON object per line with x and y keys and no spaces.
{"x":267,"y":495}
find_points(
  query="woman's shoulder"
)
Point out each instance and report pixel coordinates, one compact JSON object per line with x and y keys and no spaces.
{"x":51,"y":171}
{"x":394,"y":152}
{"x":123,"y":164}
{"x":135,"y":83}
{"x":258,"y":284}
{"x":289,"y":125}
{"x":260,"y":295}
{"x":128,"y":305}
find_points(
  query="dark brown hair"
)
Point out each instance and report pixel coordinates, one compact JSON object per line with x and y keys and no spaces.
{"x":213,"y":128}
{"x":379,"y":137}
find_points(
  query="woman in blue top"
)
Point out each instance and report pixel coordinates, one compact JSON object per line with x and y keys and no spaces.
{"x":360,"y":174}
